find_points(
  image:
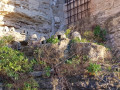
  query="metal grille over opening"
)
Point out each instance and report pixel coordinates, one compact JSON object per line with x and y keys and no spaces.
{"x":76,"y":10}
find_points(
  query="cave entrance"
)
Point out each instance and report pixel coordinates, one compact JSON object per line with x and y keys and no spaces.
{"x":59,"y":37}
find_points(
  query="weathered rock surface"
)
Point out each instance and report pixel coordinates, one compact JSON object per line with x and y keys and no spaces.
{"x":76,"y":35}
{"x":93,"y":51}
{"x":33,"y":16}
{"x":60,"y":35}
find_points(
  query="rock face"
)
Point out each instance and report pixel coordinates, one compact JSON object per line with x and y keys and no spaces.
{"x":91,"y":51}
{"x":33,"y":16}
{"x":106,"y":14}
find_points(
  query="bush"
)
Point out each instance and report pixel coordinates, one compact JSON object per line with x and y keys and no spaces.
{"x":77,"y":40}
{"x":52,"y":40}
{"x":12,"y":62}
{"x":14,"y":65}
{"x":100,"y":33}
{"x":6,"y":39}
{"x":67,"y":33}
{"x":31,"y":85}
{"x":74,"y":60}
{"x":94,"y":68}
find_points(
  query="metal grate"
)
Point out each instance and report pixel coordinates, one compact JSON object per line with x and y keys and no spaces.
{"x":76,"y":10}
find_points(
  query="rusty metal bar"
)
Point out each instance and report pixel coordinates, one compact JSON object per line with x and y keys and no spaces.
{"x":76,"y":10}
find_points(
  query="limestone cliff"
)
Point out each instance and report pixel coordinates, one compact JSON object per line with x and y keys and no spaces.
{"x":33,"y":16}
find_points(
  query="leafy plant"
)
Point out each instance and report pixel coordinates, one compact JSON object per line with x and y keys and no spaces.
{"x":6,"y":39}
{"x":12,"y":63}
{"x":85,"y":57}
{"x":74,"y":60}
{"x":52,"y":40}
{"x":100,"y":33}
{"x":31,"y":85}
{"x":77,"y":40}
{"x":9,"y":85}
{"x":47,"y":71}
{"x":69,"y":61}
{"x":94,"y":68}
{"x":67,"y":32}
{"x":88,"y":34}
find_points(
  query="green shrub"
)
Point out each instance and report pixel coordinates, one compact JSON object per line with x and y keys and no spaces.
{"x":100,"y":33}
{"x":88,"y":34}
{"x":47,"y":71}
{"x":52,"y":40}
{"x":6,"y":39}
{"x":15,"y":65}
{"x":74,"y":60}
{"x":77,"y":40}
{"x":67,"y":33}
{"x":94,"y":68}
{"x":85,"y":58}
{"x":31,"y":85}
{"x":12,"y":63}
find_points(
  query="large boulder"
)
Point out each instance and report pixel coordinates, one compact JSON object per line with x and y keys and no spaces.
{"x":76,"y":35}
{"x":91,"y":50}
{"x":63,"y":44}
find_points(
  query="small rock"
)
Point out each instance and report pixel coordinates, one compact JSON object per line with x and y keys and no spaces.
{"x":6,"y":29}
{"x":76,"y":34}
{"x":12,"y":29}
{"x":42,"y":40}
{"x":57,"y":19}
{"x":60,"y":35}
{"x":63,"y":44}
{"x":34,"y":37}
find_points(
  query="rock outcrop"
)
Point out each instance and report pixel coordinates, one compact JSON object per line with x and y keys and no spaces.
{"x":91,"y":51}
{"x":32,"y":16}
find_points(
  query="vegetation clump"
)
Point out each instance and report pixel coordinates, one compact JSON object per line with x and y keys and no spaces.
{"x":52,"y":40}
{"x":67,"y":33}
{"x":100,"y":33}
{"x":77,"y":40}
{"x":6,"y":40}
{"x":15,"y":66}
{"x":94,"y":68}
{"x":13,"y":62}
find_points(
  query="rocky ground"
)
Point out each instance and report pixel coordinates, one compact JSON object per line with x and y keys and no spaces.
{"x":62,"y":64}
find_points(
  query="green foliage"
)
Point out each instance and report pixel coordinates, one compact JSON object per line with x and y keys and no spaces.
{"x":88,"y":34}
{"x":74,"y":60}
{"x":77,"y":40}
{"x":100,"y":33}
{"x":12,"y":63}
{"x":109,"y":68}
{"x":6,"y":39}
{"x":67,"y":33}
{"x":85,"y":58}
{"x":52,"y":40}
{"x":9,"y":85}
{"x":69,"y":61}
{"x":47,"y":71}
{"x":94,"y":68}
{"x":31,"y":85}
